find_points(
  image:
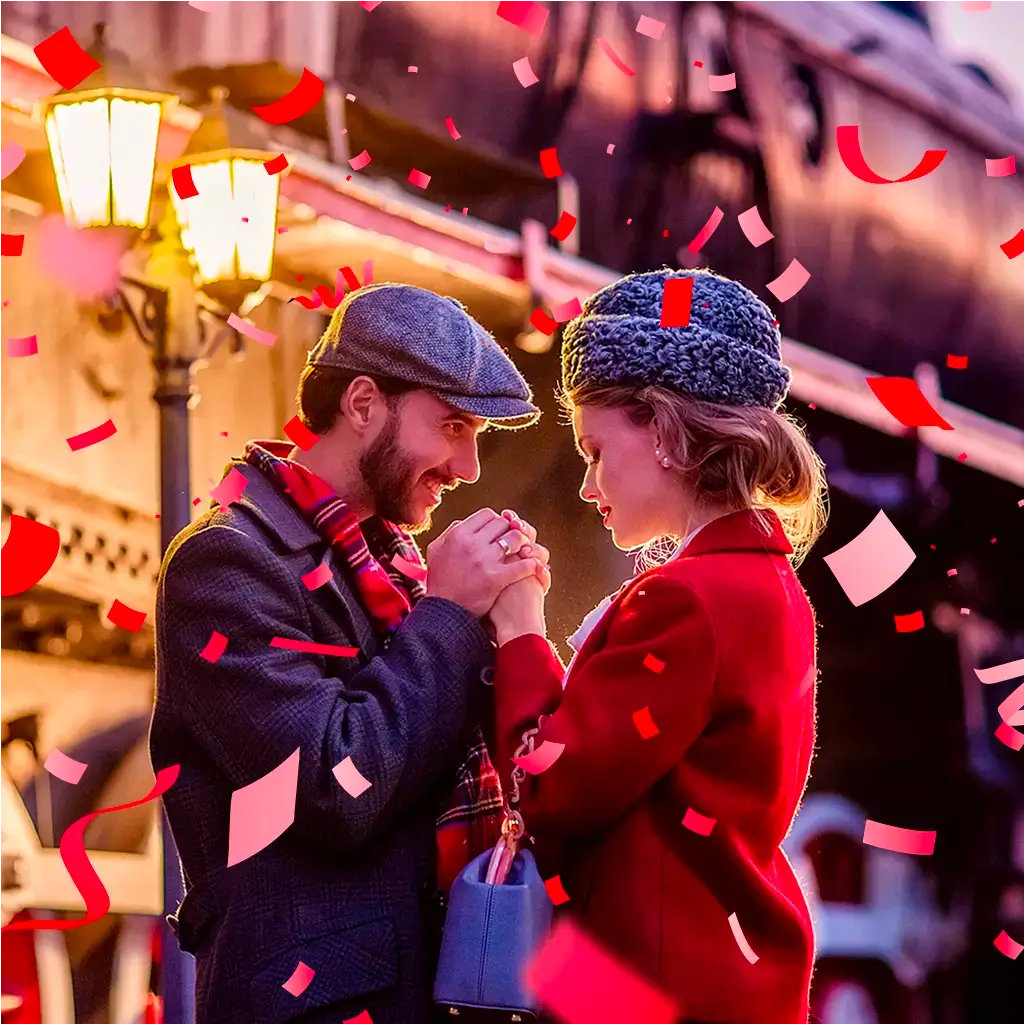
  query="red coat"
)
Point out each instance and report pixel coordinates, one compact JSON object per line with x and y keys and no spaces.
{"x":734,"y":709}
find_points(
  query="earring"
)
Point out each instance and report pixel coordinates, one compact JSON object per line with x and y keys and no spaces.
{"x":665,"y":462}
{"x":657,"y":453}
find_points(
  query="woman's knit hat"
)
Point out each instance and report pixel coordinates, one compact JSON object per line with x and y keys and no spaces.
{"x":729,"y":353}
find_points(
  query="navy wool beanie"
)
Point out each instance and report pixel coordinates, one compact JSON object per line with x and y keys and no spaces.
{"x":730,"y":353}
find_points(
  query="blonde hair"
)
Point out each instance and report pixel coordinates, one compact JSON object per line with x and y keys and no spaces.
{"x":736,"y":456}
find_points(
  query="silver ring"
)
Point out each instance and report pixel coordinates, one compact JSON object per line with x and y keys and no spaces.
{"x":504,"y":546}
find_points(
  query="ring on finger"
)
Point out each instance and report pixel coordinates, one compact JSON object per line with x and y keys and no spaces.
{"x":504,"y":547}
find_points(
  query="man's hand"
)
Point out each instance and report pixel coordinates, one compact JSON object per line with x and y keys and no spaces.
{"x":531,"y":548}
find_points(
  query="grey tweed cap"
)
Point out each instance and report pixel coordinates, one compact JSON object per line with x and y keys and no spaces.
{"x":417,"y":336}
{"x":730,"y":353}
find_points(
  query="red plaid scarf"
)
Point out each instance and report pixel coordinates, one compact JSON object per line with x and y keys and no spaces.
{"x":471,"y":821}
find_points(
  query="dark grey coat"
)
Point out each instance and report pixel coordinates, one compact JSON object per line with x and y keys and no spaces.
{"x":348,"y":889}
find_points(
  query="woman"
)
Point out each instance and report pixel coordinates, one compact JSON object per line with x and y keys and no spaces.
{"x":693,"y":695}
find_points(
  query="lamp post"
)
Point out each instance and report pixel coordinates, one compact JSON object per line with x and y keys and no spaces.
{"x":102,"y":139}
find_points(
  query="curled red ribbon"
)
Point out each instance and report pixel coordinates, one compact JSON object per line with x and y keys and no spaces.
{"x":848,"y":143}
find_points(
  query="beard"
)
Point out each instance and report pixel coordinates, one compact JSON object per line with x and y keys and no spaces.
{"x":388,"y":472}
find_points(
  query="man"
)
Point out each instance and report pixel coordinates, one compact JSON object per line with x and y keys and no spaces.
{"x":397,"y":390}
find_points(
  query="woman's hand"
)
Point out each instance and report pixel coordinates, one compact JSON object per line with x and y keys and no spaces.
{"x":519,"y":608}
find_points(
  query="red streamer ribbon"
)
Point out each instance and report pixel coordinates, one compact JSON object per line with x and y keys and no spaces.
{"x":301,"y":100}
{"x":615,"y":58}
{"x":848,"y":143}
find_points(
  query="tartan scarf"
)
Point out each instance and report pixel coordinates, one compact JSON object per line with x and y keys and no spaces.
{"x":470,"y":822}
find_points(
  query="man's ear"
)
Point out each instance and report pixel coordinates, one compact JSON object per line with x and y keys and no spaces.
{"x":362,"y":404}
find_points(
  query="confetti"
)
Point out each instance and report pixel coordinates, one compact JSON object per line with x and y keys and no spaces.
{"x":909,"y":623}
{"x":543,"y":322}
{"x":902,"y":397}
{"x":418,"y":178}
{"x":361,"y":1018}
{"x":407,"y":568}
{"x":413,"y":69}
{"x":357,"y":163}
{"x":277,"y":165}
{"x":615,"y":58}
{"x":318,"y":577}
{"x":449,"y":123}
{"x":19,"y":348}
{"x":1007,"y":946}
{"x":541,"y":759}
{"x":11,"y":245}
{"x":565,"y":226}
{"x":302,"y":975}
{"x":308,"y":647}
{"x":127,"y":618}
{"x":350,"y":779}
{"x":722,"y":83}
{"x":654,"y":664}
{"x":322,"y":295}
{"x":1009,"y":709}
{"x":752,"y":225}
{"x":65,"y":768}
{"x":676,"y":301}
{"x":975,"y":5}
{"x":645,"y":724}
{"x":707,"y":231}
{"x":611,"y":148}
{"x":294,"y":104}
{"x":528,"y":16}
{"x":1008,"y":735}
{"x":183,"y":183}
{"x":90,"y":437}
{"x":567,"y":311}
{"x":83,"y":874}
{"x":368,"y":5}
{"x":28,"y":554}
{"x":872,"y":562}
{"x":10,"y":159}
{"x":368,"y":271}
{"x":230,"y":488}
{"x":299,"y":434}
{"x":956,"y":362}
{"x":204,"y":5}
{"x":1001,"y":168}
{"x":64,"y":60}
{"x":698,"y":63}
{"x":698,"y":822}
{"x":1000,"y":673}
{"x":650,"y":27}
{"x":556,"y":891}
{"x":524,"y":72}
{"x":549,"y":163}
{"x":263,"y":810}
{"x":250,"y":330}
{"x":789,"y":282}
{"x":1014,"y":246}
{"x":951,"y":572}
{"x":741,"y":940}
{"x":215,"y":647}
{"x":500,"y":246}
{"x":848,"y":142}
{"x":899,"y":840}
{"x":576,"y":980}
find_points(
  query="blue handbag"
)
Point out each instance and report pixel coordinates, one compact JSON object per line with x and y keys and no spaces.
{"x":499,"y":912}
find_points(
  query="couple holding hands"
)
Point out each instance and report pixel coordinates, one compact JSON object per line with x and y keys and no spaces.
{"x":690,"y":698}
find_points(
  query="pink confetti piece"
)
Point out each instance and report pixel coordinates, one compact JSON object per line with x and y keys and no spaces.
{"x":263,"y":810}
{"x":90,"y":437}
{"x":654,"y":664}
{"x":645,"y":724}
{"x":789,"y":282}
{"x":899,"y":840}
{"x":204,"y":5}
{"x":1005,"y":733}
{"x":126,"y":617}
{"x":1009,"y":709}
{"x":524,"y":14}
{"x":368,"y":5}
{"x":357,"y":163}
{"x":413,"y":69}
{"x":754,"y":227}
{"x":611,"y":148}
{"x":65,"y":768}
{"x":230,"y":488}
{"x":903,"y":398}
{"x":407,"y":568}
{"x":449,"y":123}
{"x":615,"y":58}
{"x":250,"y":330}
{"x":10,"y":159}
{"x":650,"y":27}
{"x":951,"y":572}
{"x":1000,"y":673}
{"x":741,"y":940}
{"x":698,"y":823}
{"x":19,"y":348}
{"x":707,"y":231}
{"x":1002,"y":167}
{"x":909,"y":623}
{"x":872,"y":562}
{"x":722,"y":83}
{"x":542,"y":758}
{"x":350,"y":778}
{"x":361,"y":1018}
{"x":524,"y":72}
{"x":215,"y":647}
{"x":578,"y":981}
{"x":1007,"y":946}
{"x":418,"y":178}
{"x":556,"y":891}
{"x":976,"y":5}
{"x":368,"y":271}
{"x":309,"y":647}
{"x":567,"y":310}
{"x":318,"y":577}
{"x":302,"y":975}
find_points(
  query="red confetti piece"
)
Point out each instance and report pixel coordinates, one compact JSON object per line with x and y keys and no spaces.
{"x":183,"y":183}
{"x":707,"y":231}
{"x":449,"y":123}
{"x":215,"y":647}
{"x":350,"y":778}
{"x":418,"y":178}
{"x":541,"y":759}
{"x":10,"y":159}
{"x":676,"y":302}
{"x":653,"y":663}
{"x":357,"y":163}
{"x":524,"y":72}
{"x":650,"y":27}
{"x":318,"y":577}
{"x":1001,"y":168}
{"x":848,"y":142}
{"x":277,"y":165}
{"x":752,"y":225}
{"x":1008,"y":735}
{"x":556,"y":891}
{"x":299,"y":434}
{"x":645,"y":724}
{"x":549,"y":163}
{"x":962,"y":457}
{"x":543,"y":322}
{"x":899,"y":840}
{"x":956,"y":362}
{"x":302,"y":99}
{"x":11,"y":245}
{"x":64,"y":60}
{"x":698,"y":823}
{"x":567,"y":311}
{"x":90,"y":437}
{"x":565,"y":226}
{"x":1007,"y":946}
{"x":83,"y":874}
{"x":368,"y":5}
{"x":407,"y":568}
{"x":361,"y":1018}
{"x":902,"y":397}
{"x":19,"y":348}
{"x":230,"y":488}
{"x":195,"y":501}
{"x":302,"y":975}
{"x":262,"y":811}
{"x":308,"y":647}
{"x":722,"y":83}
{"x":789,"y":282}
{"x":909,"y":623}
{"x":250,"y":330}
{"x":698,"y":63}
{"x":1000,"y":673}
{"x":615,"y":58}
{"x":872,"y":562}
{"x":525,"y":15}
{"x":127,"y":618}
{"x":65,"y":768}
{"x":1015,"y":246}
